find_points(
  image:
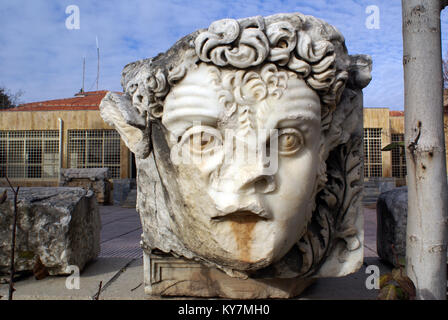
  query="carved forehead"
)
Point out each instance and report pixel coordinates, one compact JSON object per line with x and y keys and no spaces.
{"x":298,"y":101}
{"x":307,"y":46}
{"x":194,"y":98}
{"x":204,"y":95}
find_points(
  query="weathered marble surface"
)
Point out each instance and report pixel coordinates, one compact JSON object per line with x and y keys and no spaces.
{"x":392,"y":213}
{"x":59,"y":225}
{"x":95,"y":179}
{"x":166,"y":275}
{"x":200,"y":119}
{"x":121,"y":189}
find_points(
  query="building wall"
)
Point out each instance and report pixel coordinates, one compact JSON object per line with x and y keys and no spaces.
{"x":91,"y":119}
{"x":445,"y":125}
{"x":397,"y":124}
{"x":392,"y":124}
{"x":43,"y":120}
{"x":72,"y":119}
{"x":379,"y":118}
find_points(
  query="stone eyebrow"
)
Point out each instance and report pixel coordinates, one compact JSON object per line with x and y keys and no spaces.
{"x":191,"y":105}
{"x":300,"y":116}
{"x":293,"y":110}
{"x":188,"y":116}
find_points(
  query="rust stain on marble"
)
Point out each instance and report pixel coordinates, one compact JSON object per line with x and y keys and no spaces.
{"x":242,"y":228}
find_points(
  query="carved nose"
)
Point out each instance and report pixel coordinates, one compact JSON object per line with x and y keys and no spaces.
{"x":259,"y":184}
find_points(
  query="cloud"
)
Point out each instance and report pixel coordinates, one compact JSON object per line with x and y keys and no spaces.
{"x":43,"y":58}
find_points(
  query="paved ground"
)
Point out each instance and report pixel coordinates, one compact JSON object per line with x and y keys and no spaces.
{"x":120,"y":268}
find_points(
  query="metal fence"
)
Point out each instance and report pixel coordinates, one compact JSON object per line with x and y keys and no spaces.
{"x":29,"y":154}
{"x":94,"y":149}
{"x":398,"y":157}
{"x":373,"y":166}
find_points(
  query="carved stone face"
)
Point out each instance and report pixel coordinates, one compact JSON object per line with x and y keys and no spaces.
{"x":248,"y":145}
{"x":246,"y":148}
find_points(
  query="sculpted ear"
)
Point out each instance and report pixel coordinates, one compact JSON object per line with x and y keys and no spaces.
{"x":117,"y":110}
{"x":360,"y":71}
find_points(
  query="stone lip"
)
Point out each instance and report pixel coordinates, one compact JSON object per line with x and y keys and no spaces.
{"x":60,"y":226}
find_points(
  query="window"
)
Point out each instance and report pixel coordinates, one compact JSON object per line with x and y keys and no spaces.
{"x":32,"y":154}
{"x":398,"y":158}
{"x":94,"y":149}
{"x":372,"y":153}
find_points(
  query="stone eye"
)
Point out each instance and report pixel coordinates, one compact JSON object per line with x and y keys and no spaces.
{"x":289,"y":141}
{"x":202,"y":140}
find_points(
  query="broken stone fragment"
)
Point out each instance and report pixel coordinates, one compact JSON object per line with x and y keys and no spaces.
{"x":392,"y":213}
{"x":95,"y":179}
{"x":60,"y":226}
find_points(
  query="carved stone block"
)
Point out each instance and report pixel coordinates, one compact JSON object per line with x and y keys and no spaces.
{"x":60,"y":226}
{"x":248,"y":143}
{"x":166,"y":275}
{"x":95,"y":179}
{"x":392,"y":214}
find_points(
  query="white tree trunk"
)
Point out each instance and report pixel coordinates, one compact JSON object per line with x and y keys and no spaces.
{"x":426,"y":239}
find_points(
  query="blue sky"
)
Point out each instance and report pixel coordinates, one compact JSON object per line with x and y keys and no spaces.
{"x":40,"y":56}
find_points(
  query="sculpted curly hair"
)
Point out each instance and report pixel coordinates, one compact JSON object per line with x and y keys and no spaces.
{"x":308,"y":46}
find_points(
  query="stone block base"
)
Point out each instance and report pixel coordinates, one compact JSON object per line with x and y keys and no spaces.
{"x":166,"y":275}
{"x":95,"y":179}
{"x":59,"y":226}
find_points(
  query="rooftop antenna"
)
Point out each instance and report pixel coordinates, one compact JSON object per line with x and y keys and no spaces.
{"x":83,"y":72}
{"x":98,"y":68}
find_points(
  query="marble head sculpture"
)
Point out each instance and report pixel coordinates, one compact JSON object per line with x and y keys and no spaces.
{"x":248,"y":144}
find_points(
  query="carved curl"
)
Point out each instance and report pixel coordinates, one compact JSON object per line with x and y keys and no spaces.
{"x":226,"y":43}
{"x":311,"y":48}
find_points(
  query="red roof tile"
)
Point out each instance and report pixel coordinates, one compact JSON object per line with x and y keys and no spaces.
{"x":396,"y":113}
{"x":82,"y":101}
{"x":445,"y":99}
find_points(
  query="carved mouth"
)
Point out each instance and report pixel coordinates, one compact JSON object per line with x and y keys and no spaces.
{"x":241,"y":217}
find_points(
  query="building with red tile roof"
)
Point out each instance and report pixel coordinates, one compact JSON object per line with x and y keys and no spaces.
{"x":86,"y":140}
{"x":81,"y":101}
{"x":38,"y":138}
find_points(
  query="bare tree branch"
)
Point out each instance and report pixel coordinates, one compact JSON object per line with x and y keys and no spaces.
{"x":97,"y":295}
{"x":445,"y":70}
{"x":443,"y":4}
{"x":13,"y":242}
